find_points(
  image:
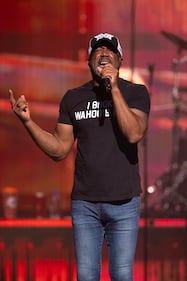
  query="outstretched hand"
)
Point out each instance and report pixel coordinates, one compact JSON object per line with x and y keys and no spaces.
{"x":19,"y":106}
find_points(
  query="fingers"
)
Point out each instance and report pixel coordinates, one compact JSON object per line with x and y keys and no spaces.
{"x":106,"y":71}
{"x":20,"y":105}
{"x":11,"y":97}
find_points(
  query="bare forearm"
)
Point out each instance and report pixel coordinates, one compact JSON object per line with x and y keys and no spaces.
{"x":132,"y":125}
{"x":46,"y":141}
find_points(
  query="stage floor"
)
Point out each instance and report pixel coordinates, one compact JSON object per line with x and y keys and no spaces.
{"x":42,"y":250}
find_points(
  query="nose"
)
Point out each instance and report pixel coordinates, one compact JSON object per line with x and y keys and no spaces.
{"x":104,"y":50}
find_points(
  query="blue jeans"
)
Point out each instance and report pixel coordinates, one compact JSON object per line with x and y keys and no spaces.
{"x":118,"y":224}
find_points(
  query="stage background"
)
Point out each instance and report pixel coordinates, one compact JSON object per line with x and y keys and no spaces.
{"x":43,"y":53}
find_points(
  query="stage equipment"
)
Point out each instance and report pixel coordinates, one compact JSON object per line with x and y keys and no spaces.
{"x":181,"y":43}
{"x":167,"y":197}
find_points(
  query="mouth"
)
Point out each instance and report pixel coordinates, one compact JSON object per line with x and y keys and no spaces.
{"x":103,"y":61}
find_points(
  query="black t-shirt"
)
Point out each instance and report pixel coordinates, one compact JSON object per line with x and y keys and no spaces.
{"x":106,"y":166}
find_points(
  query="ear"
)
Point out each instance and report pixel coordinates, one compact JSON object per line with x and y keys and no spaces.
{"x":120,"y":61}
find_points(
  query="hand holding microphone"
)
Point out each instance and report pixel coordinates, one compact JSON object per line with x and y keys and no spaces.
{"x":105,"y":80}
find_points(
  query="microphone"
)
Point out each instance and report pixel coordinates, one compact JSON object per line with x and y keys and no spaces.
{"x":106,"y":80}
{"x":107,"y":85}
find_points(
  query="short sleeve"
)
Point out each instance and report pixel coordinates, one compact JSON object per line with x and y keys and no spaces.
{"x":64,"y":111}
{"x":139,"y":98}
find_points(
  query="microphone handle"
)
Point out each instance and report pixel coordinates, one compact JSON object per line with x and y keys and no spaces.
{"x":107,"y":85}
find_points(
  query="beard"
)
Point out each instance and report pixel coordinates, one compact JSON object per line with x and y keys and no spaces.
{"x":95,"y":75}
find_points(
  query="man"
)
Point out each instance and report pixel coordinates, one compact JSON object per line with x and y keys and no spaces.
{"x":107,"y":117}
